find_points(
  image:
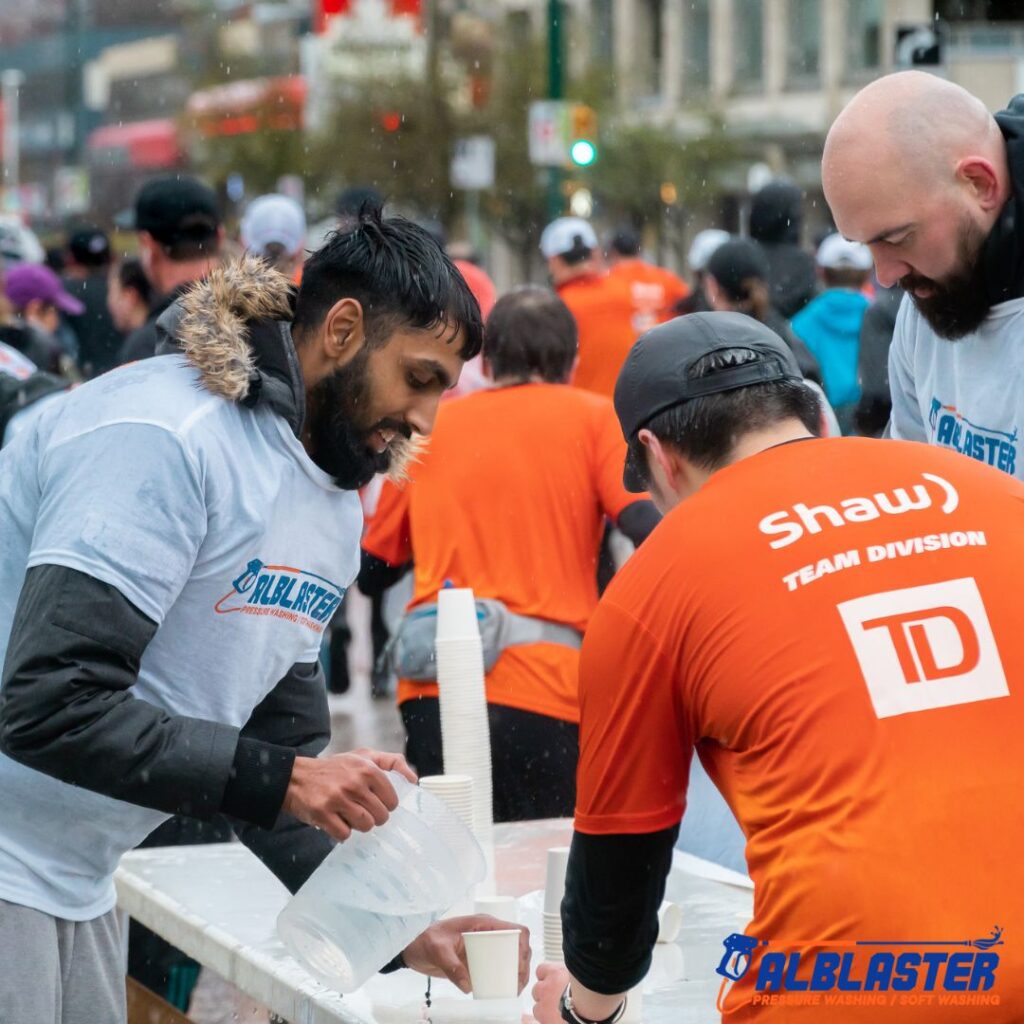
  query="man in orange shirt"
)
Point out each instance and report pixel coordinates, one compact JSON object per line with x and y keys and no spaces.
{"x":834,"y":625}
{"x":510,"y":499}
{"x":602,"y":305}
{"x":655,"y":291}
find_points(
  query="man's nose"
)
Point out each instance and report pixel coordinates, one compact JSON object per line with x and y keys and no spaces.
{"x":423,"y":414}
{"x":888,"y":270}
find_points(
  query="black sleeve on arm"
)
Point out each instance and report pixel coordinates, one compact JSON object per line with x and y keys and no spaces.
{"x":376,"y":575}
{"x":293,"y":720}
{"x":66,"y":707}
{"x":613,"y":889}
{"x":637,"y":520}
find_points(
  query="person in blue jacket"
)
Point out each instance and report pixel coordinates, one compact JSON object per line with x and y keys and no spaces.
{"x":829,"y":325}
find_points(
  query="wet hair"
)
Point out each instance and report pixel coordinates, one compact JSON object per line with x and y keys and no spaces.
{"x":130,"y":275}
{"x":529,"y":333}
{"x":399,"y":275}
{"x":706,"y":430}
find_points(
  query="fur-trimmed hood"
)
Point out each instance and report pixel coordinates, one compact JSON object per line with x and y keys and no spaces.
{"x":234,"y":326}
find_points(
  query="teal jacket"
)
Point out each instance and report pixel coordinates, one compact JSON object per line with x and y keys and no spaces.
{"x":829,"y":326}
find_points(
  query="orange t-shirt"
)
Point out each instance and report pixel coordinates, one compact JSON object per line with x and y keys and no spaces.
{"x":510,"y":499}
{"x":835,"y":625}
{"x":603,"y":308}
{"x":654,"y":292}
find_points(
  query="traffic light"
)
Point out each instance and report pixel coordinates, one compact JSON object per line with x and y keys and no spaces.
{"x":583,"y":135}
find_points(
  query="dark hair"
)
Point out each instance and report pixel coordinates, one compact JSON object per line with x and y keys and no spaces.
{"x":131,"y":275}
{"x":530,"y":332}
{"x":741,"y":269}
{"x":579,"y":253}
{"x":844,"y":277}
{"x":625,"y":242}
{"x":198,"y":243}
{"x":399,"y":275}
{"x":707,"y":429}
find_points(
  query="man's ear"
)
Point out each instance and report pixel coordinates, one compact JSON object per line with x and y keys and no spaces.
{"x":344,"y":331}
{"x":668,"y":464}
{"x":981,"y":177}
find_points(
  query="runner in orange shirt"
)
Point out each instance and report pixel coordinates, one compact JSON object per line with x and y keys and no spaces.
{"x":601,"y":305}
{"x":655,"y":291}
{"x":834,"y":625}
{"x":510,"y":499}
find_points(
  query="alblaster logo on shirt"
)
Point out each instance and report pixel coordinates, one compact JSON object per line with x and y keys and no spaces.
{"x":791,"y":524}
{"x":284,"y":592}
{"x":955,"y":972}
{"x":951,"y":429}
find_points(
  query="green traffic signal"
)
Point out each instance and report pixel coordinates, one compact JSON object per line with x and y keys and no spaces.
{"x":583,"y":153}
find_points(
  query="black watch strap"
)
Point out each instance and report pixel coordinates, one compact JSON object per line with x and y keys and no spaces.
{"x":570,"y":1015}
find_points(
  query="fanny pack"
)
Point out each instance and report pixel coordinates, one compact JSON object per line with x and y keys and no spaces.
{"x":411,"y":649}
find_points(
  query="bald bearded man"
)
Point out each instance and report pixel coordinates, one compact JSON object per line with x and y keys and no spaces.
{"x":919,"y":170}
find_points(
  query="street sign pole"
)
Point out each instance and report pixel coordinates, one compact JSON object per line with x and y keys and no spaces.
{"x":556,"y":91}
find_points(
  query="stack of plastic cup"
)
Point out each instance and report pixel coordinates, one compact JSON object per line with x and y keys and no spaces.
{"x":465,"y":731}
{"x":554,"y":890}
{"x":456,"y":791}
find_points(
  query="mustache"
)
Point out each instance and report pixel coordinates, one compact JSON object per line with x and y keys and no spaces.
{"x":395,"y":426}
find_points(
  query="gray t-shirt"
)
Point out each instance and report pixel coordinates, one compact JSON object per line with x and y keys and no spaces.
{"x":214,"y":522}
{"x":967,"y":395}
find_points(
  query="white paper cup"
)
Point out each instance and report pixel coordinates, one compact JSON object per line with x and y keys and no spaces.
{"x":456,"y":614}
{"x":493,"y":963}
{"x":504,"y":908}
{"x":554,"y":886}
{"x":670,"y":920}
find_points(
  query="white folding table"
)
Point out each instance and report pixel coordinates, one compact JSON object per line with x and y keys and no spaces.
{"x":219,"y":904}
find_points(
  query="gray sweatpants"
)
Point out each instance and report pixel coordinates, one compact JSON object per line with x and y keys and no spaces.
{"x":60,"y":972}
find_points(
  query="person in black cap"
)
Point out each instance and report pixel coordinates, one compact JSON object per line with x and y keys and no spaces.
{"x":85,"y":277}
{"x":763,"y":623}
{"x":737,"y":280}
{"x":180,"y":234}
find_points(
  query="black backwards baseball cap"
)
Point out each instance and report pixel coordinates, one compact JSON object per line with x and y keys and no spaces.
{"x":177,"y":209}
{"x":656,"y":374}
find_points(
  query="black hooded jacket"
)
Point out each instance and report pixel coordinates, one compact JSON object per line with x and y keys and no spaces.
{"x":776,"y":216}
{"x":1002,"y":253}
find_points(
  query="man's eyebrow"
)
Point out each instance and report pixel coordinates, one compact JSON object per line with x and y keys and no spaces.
{"x":434,"y":367}
{"x":883,"y":235}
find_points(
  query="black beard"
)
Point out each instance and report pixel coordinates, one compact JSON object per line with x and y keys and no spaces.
{"x":338,"y":440}
{"x":960,"y":303}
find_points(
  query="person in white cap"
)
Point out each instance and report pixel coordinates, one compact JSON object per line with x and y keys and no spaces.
{"x":601,"y":305}
{"x":274,"y":227}
{"x":829,"y":325}
{"x":703,"y":245}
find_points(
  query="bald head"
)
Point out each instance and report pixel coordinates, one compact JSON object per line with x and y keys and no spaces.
{"x":922,"y":121}
{"x":914,"y":164}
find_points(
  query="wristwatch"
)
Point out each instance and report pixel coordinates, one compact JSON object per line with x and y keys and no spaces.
{"x":570,"y":1015}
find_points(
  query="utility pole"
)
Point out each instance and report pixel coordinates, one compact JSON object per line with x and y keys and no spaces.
{"x":556,"y":91}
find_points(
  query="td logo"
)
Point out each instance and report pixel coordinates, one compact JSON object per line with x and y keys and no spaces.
{"x":925,"y":647}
